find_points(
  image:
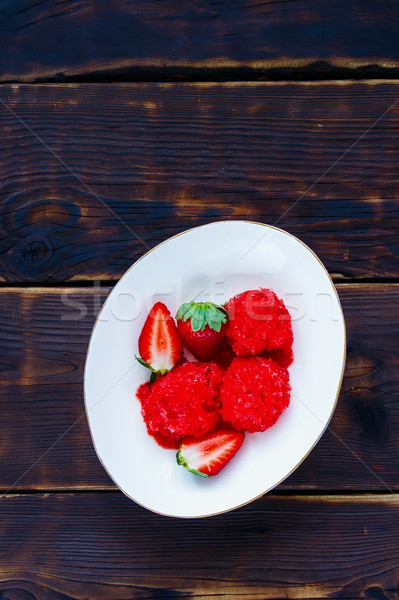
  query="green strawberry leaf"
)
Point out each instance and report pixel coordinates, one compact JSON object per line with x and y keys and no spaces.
{"x":221,"y":308}
{"x":201,"y":314}
{"x":189,"y":313}
{"x":215,"y":318}
{"x":153,"y":377}
{"x":145,"y":364}
{"x":183,"y":310}
{"x":214,"y":322}
{"x":198,"y":320}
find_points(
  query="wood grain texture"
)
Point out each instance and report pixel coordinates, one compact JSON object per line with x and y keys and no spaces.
{"x":94,"y":175}
{"x":44,"y":337}
{"x":52,"y":41}
{"x":74,"y":547}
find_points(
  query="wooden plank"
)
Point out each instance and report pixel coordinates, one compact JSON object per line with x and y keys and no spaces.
{"x":92,"y":39}
{"x":79,"y":546}
{"x":44,"y":343}
{"x":93,"y":176}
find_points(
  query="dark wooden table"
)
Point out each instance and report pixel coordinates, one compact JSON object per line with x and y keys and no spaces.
{"x":122,"y":123}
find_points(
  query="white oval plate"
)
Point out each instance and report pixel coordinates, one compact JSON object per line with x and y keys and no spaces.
{"x":213,"y":262}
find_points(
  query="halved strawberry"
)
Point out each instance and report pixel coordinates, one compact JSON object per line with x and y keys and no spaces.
{"x":160,"y":345}
{"x":203,"y":326}
{"x":208,"y":454}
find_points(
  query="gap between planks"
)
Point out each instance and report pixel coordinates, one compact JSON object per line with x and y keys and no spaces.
{"x":88,"y":284}
{"x":70,"y":83}
{"x":293,"y":494}
{"x":267,"y":72}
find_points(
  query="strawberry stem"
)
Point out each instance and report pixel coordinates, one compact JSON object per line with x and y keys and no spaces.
{"x":182,"y":461}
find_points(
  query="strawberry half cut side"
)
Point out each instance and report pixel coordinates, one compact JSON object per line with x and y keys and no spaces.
{"x":160,"y":345}
{"x":207,"y":455}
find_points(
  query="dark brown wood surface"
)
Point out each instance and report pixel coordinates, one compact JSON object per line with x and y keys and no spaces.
{"x":45,"y":334}
{"x":79,"y":546}
{"x":97,"y":39}
{"x":154,"y":123}
{"x":94,"y":175}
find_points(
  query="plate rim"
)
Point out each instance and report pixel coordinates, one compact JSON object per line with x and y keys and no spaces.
{"x":220,"y":512}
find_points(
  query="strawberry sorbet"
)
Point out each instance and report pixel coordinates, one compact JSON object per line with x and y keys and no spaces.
{"x":255,"y":392}
{"x":183,"y":402}
{"x":259,"y":321}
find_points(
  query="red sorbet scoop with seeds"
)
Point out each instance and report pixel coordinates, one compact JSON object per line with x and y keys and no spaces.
{"x":259,"y":321}
{"x":184,"y":402}
{"x":255,"y":392}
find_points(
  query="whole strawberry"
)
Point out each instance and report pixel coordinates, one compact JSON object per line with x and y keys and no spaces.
{"x":202,"y":326}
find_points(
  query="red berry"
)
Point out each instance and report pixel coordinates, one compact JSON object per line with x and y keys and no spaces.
{"x":160,"y":345}
{"x":202,"y":327}
{"x":208,"y":454}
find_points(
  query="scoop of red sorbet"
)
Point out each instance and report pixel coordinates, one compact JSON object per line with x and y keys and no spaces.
{"x":255,"y":392}
{"x":259,"y":321}
{"x":183,"y":402}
